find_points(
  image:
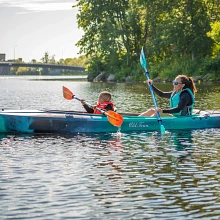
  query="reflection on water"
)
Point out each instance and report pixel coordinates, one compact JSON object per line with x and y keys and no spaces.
{"x":140,"y":175}
{"x":137,"y":175}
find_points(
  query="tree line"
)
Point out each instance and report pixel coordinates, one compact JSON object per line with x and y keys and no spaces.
{"x":179,"y":36}
{"x":49,"y":59}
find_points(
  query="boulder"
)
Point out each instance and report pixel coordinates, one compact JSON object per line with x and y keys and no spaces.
{"x":167,"y":80}
{"x":129,"y":79}
{"x":206,"y":77}
{"x":197,"y":78}
{"x":101,"y":77}
{"x":157,"y":79}
{"x":90,"y":79}
{"x":111,"y":78}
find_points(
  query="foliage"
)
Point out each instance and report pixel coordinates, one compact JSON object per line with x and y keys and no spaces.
{"x":80,"y":61}
{"x":26,"y":71}
{"x":169,"y":69}
{"x":215,"y":35}
{"x":45,"y":58}
{"x":171,"y":32}
{"x":213,"y":66}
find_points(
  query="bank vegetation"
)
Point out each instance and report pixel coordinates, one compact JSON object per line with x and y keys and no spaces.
{"x":180,"y":36}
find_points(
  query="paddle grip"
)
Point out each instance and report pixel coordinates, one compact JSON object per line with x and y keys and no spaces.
{"x":88,"y":104}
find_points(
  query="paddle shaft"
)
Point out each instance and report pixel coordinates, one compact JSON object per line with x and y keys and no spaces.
{"x":143,"y":62}
{"x":153,"y":96}
{"x":74,"y":97}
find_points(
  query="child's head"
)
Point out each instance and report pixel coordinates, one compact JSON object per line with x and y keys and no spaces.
{"x":104,"y":97}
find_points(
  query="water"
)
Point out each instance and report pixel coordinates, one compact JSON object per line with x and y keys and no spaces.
{"x":104,"y":176}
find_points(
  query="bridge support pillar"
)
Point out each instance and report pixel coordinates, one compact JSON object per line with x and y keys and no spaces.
{"x":4,"y":70}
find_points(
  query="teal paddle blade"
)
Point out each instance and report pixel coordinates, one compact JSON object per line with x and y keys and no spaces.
{"x":143,"y":59}
{"x":162,"y":129}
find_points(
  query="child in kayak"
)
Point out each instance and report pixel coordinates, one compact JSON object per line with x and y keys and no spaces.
{"x":181,"y":98}
{"x":104,"y":103}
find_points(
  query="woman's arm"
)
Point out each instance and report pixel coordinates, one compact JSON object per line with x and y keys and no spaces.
{"x":161,"y":93}
{"x":185,"y":99}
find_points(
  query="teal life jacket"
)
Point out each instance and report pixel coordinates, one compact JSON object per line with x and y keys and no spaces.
{"x":174,"y":101}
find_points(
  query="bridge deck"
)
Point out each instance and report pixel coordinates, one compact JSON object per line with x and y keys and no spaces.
{"x":41,"y":65}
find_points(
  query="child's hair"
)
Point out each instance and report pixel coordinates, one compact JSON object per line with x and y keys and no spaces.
{"x":189,"y":83}
{"x":106,"y":95}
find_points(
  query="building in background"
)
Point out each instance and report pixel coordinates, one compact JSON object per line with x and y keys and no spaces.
{"x":4,"y":70}
{"x":2,"y":56}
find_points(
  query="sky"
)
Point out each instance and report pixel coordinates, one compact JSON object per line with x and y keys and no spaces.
{"x":29,"y":28}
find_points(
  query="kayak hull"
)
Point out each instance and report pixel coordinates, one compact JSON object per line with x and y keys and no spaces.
{"x":34,"y":121}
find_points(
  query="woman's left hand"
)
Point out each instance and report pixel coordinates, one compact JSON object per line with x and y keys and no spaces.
{"x":159,"y":110}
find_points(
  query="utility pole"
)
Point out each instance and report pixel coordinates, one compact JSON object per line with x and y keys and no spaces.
{"x":14,"y":51}
{"x":62,"y":52}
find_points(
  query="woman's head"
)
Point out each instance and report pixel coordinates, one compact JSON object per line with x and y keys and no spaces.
{"x":183,"y":82}
{"x":104,"y":97}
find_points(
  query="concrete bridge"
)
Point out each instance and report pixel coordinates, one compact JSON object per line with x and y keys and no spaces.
{"x":40,"y":65}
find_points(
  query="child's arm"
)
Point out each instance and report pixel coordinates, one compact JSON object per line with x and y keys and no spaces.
{"x":86,"y":107}
{"x":109,"y":107}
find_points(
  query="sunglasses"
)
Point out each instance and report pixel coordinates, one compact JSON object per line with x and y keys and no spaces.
{"x":176,"y":83}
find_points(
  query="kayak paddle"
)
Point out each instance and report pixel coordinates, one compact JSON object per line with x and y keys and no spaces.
{"x":113,"y":117}
{"x":143,"y":62}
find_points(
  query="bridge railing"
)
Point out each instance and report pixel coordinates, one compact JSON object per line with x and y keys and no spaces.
{"x":41,"y":65}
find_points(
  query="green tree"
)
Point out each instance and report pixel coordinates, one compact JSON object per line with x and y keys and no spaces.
{"x":107,"y":31}
{"x":52,"y":59}
{"x":33,"y":61}
{"x":115,"y":31}
{"x":214,"y":34}
{"x":45,"y":58}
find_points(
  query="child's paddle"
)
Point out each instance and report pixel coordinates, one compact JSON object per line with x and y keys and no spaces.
{"x":113,"y":117}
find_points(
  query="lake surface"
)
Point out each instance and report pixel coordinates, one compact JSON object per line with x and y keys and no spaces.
{"x":138,"y":175}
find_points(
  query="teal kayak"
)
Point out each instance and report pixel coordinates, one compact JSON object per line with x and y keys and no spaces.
{"x":54,"y":121}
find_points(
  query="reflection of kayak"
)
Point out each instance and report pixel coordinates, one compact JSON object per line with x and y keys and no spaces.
{"x":54,"y":121}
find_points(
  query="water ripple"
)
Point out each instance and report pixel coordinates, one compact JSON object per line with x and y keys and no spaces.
{"x":137,"y":176}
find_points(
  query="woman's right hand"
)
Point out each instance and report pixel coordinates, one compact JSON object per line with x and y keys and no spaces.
{"x":150,"y":81}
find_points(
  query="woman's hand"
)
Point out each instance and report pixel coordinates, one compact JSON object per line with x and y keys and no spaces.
{"x":150,"y":81}
{"x":158,"y":110}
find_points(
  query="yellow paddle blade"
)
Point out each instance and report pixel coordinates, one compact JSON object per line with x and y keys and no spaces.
{"x":114,"y":118}
{"x":67,"y":94}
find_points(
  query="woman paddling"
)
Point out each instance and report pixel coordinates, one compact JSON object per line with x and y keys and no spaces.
{"x":181,"y":98}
